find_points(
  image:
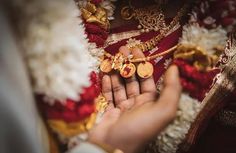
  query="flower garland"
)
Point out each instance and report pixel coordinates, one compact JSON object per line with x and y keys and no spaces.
{"x":62,"y":70}
{"x":96,"y":34}
{"x":55,"y":47}
{"x":174,"y":134}
{"x":194,"y":34}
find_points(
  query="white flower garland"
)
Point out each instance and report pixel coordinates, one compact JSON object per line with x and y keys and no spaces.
{"x":207,"y":39}
{"x":108,"y":5}
{"x":174,"y":134}
{"x":57,"y":49}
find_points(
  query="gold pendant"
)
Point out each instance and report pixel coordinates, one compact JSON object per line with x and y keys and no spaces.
{"x":118,"y":61}
{"x":106,"y":66}
{"x":128,"y":70}
{"x":145,"y":70}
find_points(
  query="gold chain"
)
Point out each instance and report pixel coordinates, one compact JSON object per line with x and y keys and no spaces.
{"x":126,"y":65}
{"x":150,"y":18}
{"x":150,"y":44}
{"x":148,"y":58}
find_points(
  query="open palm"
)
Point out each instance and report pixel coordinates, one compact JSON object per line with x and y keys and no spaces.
{"x":136,"y":113}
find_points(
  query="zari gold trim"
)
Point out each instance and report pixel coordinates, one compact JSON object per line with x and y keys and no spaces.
{"x":114,"y":38}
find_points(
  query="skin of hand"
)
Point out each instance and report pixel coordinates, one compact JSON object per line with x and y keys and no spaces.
{"x":136,"y":113}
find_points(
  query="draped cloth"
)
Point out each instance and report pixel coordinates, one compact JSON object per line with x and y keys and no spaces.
{"x":221,"y":93}
{"x":22,"y":129}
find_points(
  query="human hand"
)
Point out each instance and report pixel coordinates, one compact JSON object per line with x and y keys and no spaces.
{"x":135,"y":113}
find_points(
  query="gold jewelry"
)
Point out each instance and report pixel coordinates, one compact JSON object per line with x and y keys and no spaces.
{"x":106,"y":65}
{"x":126,"y":65}
{"x":145,"y":70}
{"x":150,"y":18}
{"x":95,"y":14}
{"x":149,"y":45}
{"x":127,"y":70}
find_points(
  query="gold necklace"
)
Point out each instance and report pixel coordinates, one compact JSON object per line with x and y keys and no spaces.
{"x":150,"y":44}
{"x":150,"y":18}
{"x":127,"y":65}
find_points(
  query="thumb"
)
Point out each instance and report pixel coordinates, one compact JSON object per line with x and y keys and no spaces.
{"x":171,"y":92}
{"x":161,"y":113}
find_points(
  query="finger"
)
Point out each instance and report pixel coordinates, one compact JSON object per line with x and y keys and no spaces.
{"x":146,"y":85}
{"x":171,"y":86}
{"x":107,"y":90}
{"x":124,"y":50}
{"x":118,"y":89}
{"x":131,"y":84}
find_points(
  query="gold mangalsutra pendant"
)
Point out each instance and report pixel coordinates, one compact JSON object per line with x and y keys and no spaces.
{"x":118,"y":61}
{"x":106,"y":65}
{"x":145,"y":70}
{"x":128,"y":70}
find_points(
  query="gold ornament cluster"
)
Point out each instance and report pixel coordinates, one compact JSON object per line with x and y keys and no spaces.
{"x":95,"y":14}
{"x":128,"y":66}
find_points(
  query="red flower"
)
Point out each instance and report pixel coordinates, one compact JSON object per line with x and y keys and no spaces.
{"x":85,"y":110}
{"x":72,"y":111}
{"x":94,"y":29}
{"x":96,"y":39}
{"x":70,"y":105}
{"x":70,"y":116}
{"x":194,"y":82}
{"x":89,"y":94}
{"x":96,"y":34}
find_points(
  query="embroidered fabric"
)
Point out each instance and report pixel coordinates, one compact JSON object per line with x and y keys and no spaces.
{"x":174,"y":135}
{"x":223,"y":86}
